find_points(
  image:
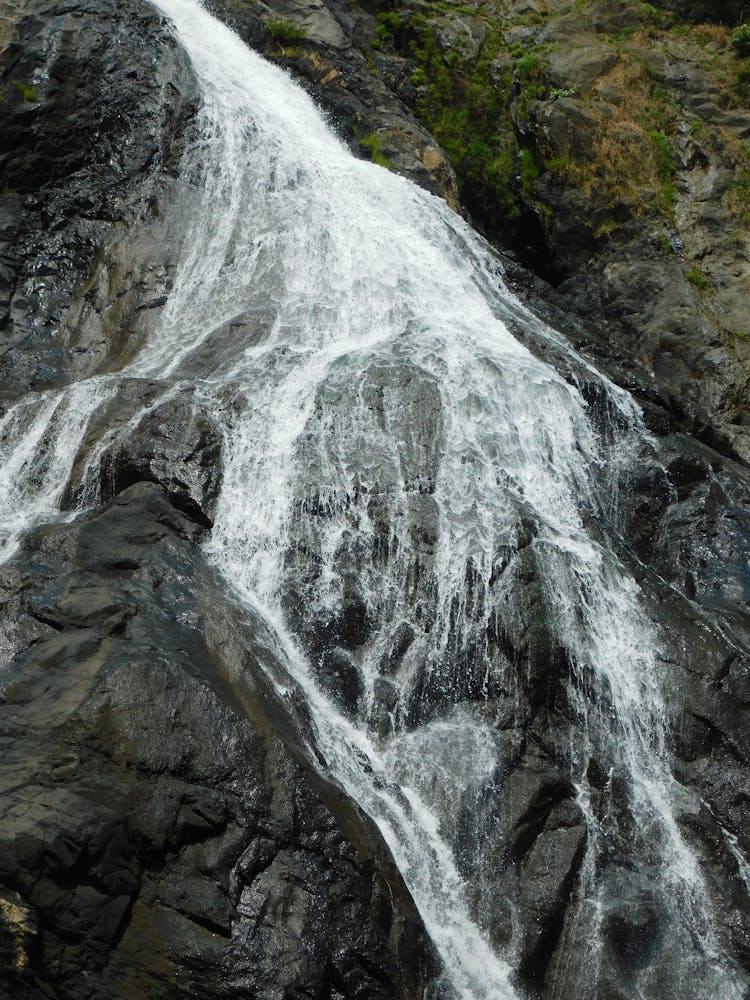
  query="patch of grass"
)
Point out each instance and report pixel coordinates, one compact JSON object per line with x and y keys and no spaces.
{"x":742,"y":79}
{"x":662,"y":152}
{"x":655,"y":15}
{"x":390,"y":30}
{"x":622,"y":34}
{"x":466,"y":106}
{"x":285,"y":32}
{"x":563,"y":170}
{"x":528,"y":66}
{"x":664,"y":200}
{"x":632,"y":163}
{"x":699,"y":280}
{"x":660,"y":112}
{"x":528,"y":171}
{"x":529,"y":81}
{"x":741,"y":41}
{"x":736,"y":198}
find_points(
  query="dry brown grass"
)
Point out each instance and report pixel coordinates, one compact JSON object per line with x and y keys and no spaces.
{"x":631,"y":79}
{"x":715,"y":34}
{"x":625,"y":165}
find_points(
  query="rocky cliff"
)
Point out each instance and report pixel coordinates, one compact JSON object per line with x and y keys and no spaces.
{"x":167,"y":830}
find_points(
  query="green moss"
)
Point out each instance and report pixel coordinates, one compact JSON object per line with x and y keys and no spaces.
{"x":392,"y":31}
{"x":392,"y":20}
{"x":530,"y":84}
{"x":466,"y":106}
{"x":528,"y":66}
{"x":699,"y":280}
{"x":28,"y":93}
{"x":374,"y":143}
{"x":284,"y":32}
{"x":606,"y":228}
{"x":623,"y":34}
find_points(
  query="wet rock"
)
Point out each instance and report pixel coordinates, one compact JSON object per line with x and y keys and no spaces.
{"x":633,"y":932}
{"x":89,"y":146}
{"x":402,"y":639}
{"x":549,"y":875}
{"x":339,"y":676}
{"x":176,"y":445}
{"x":151,"y":834}
{"x":150,"y":432}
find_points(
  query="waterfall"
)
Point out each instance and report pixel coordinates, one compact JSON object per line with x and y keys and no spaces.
{"x":395,"y":462}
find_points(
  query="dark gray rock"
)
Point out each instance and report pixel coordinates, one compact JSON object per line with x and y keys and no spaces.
{"x":150,"y":432}
{"x":90,"y":143}
{"x":155,"y":841}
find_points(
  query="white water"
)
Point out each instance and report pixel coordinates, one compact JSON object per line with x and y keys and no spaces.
{"x":385,"y":432}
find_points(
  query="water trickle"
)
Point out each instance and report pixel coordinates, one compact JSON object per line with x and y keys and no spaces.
{"x":407,"y":490}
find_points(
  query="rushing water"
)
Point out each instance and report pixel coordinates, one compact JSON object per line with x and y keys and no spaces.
{"x":394,"y":461}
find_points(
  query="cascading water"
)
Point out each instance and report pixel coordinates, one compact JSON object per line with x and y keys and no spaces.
{"x":394,"y":462}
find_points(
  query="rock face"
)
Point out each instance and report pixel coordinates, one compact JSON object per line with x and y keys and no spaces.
{"x":160,"y":836}
{"x":89,"y":147}
{"x":164,"y":830}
